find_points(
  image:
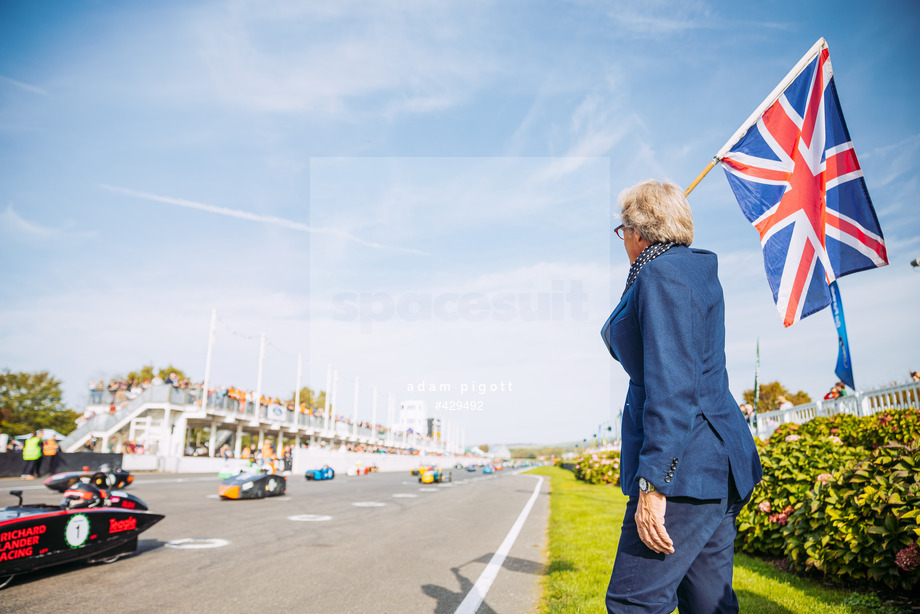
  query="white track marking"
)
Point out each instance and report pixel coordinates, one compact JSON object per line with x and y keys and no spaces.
{"x":477,"y":594}
{"x":309,"y":518}
{"x":176,"y":480}
{"x":189,"y":543}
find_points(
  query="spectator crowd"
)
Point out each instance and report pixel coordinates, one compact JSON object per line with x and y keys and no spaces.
{"x":111,"y":397}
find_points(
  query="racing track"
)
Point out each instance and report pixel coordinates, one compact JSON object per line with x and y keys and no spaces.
{"x":413,"y":554}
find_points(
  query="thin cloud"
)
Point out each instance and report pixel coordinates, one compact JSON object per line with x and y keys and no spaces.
{"x":24,"y":86}
{"x":891,"y":162}
{"x":596,"y":128}
{"x":20,"y":226}
{"x":255,"y":217}
{"x":382,"y":60}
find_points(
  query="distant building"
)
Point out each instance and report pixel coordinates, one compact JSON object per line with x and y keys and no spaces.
{"x":500,"y":451}
{"x":413,"y":415}
{"x":434,"y":428}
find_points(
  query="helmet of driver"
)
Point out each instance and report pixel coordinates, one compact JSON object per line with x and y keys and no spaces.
{"x":82,"y":495}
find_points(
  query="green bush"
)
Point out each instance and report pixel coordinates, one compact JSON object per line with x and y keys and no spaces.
{"x":791,"y":469}
{"x":599,"y":467}
{"x":864,"y":523}
{"x":897,"y":425}
{"x":841,"y":495}
{"x":848,"y":428}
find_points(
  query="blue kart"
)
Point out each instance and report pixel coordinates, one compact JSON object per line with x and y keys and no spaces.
{"x":487,"y":469}
{"x":326,"y":473}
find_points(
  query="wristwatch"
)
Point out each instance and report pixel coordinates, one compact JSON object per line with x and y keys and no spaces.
{"x":645,"y":486}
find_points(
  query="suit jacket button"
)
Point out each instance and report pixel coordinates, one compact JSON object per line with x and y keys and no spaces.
{"x":668,"y":479}
{"x":675,"y":461}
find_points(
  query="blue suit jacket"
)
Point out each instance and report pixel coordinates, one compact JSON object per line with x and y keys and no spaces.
{"x":682,"y":430}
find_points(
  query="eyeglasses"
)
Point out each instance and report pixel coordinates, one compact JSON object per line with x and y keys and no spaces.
{"x":618,"y":231}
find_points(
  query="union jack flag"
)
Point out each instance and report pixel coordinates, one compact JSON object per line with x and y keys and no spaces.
{"x":798,"y":181}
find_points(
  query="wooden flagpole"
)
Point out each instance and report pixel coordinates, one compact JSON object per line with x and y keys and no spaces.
{"x":759,"y":111}
{"x":699,"y":177}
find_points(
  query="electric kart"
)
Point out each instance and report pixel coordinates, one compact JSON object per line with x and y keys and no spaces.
{"x":436,"y":475}
{"x":326,"y":473}
{"x":103,"y":478}
{"x":90,"y":524}
{"x":253,"y":486}
{"x":488,"y":469}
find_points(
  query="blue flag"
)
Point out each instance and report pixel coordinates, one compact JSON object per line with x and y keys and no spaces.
{"x":844,"y":368}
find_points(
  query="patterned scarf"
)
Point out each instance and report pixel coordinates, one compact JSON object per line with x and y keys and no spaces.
{"x":648,"y":254}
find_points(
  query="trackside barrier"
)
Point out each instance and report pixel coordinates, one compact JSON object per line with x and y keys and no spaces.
{"x":902,"y":396}
{"x":11,"y":462}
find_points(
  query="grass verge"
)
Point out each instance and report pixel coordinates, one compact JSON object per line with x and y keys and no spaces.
{"x":584,"y":528}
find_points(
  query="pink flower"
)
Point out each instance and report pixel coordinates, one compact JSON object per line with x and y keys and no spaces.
{"x":578,"y":466}
{"x":824,"y":478}
{"x":793,"y":437}
{"x":765,"y":507}
{"x":908,"y":558}
{"x":836,"y":440}
{"x":779,"y":519}
{"x":835,"y":430}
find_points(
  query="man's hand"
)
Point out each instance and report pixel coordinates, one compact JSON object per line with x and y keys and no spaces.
{"x":650,"y":522}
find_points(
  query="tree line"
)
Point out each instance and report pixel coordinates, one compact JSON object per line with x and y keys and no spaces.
{"x":30,"y":401}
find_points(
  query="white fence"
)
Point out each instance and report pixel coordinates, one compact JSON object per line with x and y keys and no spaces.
{"x":860,"y":404}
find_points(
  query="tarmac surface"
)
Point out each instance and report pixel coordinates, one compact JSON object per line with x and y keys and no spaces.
{"x":375,"y":543}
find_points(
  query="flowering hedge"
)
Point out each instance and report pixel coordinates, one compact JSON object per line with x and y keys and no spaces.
{"x":841,"y":495}
{"x":790,"y":470}
{"x":599,"y":467}
{"x":901,"y":426}
{"x":864,"y":524}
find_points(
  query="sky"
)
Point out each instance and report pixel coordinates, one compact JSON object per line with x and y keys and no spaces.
{"x":419,"y":194}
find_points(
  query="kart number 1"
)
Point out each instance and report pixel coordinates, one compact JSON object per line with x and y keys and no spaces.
{"x":77,"y":531}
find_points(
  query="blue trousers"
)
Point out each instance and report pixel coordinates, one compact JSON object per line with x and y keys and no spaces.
{"x":697,"y":578}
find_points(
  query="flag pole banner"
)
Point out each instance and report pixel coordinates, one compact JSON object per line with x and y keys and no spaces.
{"x":757,"y":375}
{"x":797,"y":179}
{"x":844,"y":368}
